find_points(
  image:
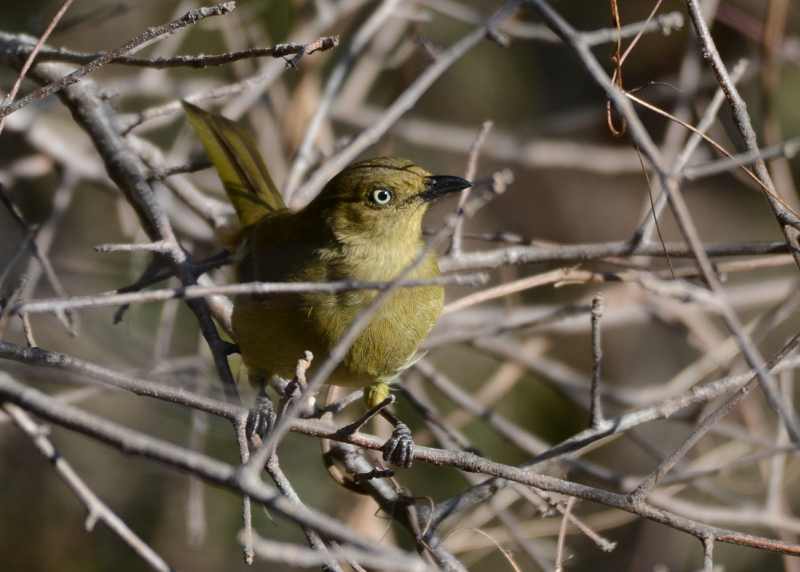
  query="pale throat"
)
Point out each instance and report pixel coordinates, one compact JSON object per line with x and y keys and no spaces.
{"x":381,"y":257}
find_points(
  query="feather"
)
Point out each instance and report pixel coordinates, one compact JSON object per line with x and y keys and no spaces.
{"x":240,"y":167}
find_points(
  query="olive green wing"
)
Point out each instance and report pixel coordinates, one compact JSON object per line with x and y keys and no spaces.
{"x":234,"y":154}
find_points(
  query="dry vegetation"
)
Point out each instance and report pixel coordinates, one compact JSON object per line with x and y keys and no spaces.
{"x":610,"y":387}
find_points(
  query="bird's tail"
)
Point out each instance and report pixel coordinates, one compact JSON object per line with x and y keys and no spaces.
{"x":240,"y":167}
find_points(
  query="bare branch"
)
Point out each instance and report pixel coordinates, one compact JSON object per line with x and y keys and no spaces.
{"x":98,"y":511}
{"x":22,"y":45}
{"x":596,"y":410}
{"x":137,"y":43}
{"x":243,"y":289}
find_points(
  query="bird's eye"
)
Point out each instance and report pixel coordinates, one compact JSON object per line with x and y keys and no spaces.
{"x":381,"y":197}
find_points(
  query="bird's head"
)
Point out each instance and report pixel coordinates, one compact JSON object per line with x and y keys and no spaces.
{"x":382,"y":198}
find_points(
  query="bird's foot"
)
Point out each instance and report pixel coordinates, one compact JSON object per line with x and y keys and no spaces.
{"x":399,"y":449}
{"x":261,"y":417}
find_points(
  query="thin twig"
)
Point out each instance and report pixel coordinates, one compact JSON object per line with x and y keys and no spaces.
{"x":401,"y":105}
{"x":472,"y":169}
{"x":708,"y":554}
{"x":677,"y":201}
{"x":645,"y":231}
{"x":243,"y":289}
{"x":335,"y":81}
{"x":97,"y":509}
{"x":36,"y":49}
{"x":227,"y":476}
{"x":788,"y":149}
{"x":596,"y":409}
{"x":649,"y":483}
{"x":594,"y":251}
{"x":192,"y":61}
{"x":790,"y":224}
{"x":137,"y":43}
{"x":562,"y":536}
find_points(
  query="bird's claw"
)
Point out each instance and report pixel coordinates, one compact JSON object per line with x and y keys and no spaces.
{"x":399,"y":449}
{"x":260,"y":418}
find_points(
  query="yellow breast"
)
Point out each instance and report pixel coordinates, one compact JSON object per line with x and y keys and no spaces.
{"x":274,"y":331}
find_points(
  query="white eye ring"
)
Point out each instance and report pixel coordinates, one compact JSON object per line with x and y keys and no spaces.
{"x":381,"y":197}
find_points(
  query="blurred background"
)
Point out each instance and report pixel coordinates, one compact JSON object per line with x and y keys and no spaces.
{"x":575,"y":182}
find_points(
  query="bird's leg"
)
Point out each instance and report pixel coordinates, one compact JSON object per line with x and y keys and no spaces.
{"x":262,"y":416}
{"x":229,"y":348}
{"x":348,"y":430}
{"x":399,"y":448}
{"x":336,"y":473}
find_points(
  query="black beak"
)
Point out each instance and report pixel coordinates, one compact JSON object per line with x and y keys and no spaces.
{"x":440,"y":185}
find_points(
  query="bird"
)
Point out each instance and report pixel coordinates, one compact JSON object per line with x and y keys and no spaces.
{"x":365,"y":225}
